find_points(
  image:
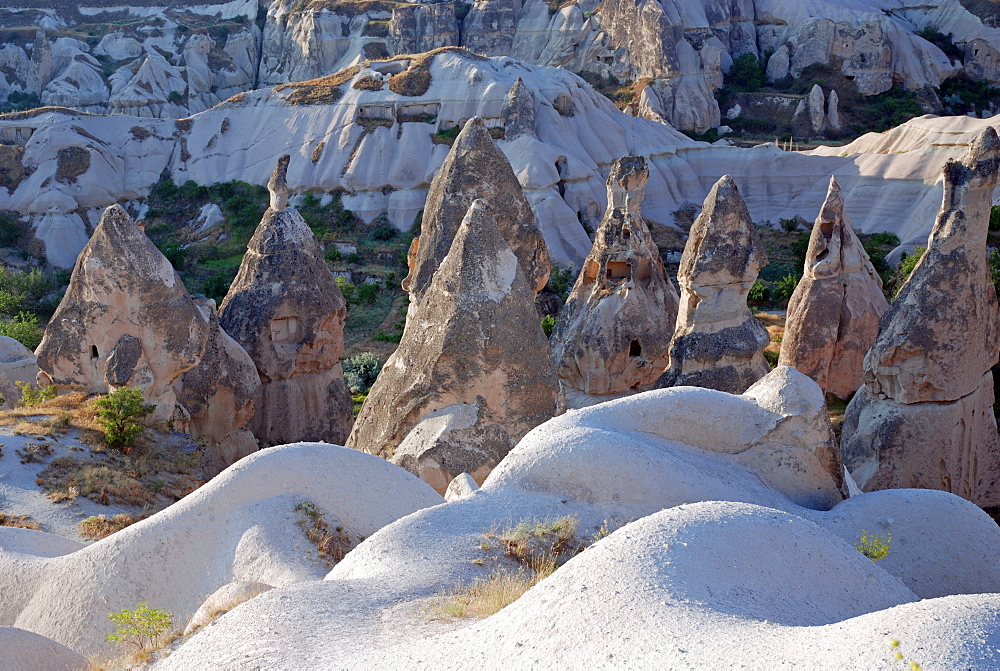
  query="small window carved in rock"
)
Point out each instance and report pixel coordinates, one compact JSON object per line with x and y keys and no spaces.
{"x":634,"y":349}
{"x":285,"y":329}
{"x":617,"y":270}
{"x":94,"y":353}
{"x":592,"y":269}
{"x":645,"y":269}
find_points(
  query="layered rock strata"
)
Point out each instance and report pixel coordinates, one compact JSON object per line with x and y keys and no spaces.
{"x":924,"y":417}
{"x":127,"y":320}
{"x":473,"y":372}
{"x":717,"y":342}
{"x":833,"y":314}
{"x":286,"y":310}
{"x":613,"y":335}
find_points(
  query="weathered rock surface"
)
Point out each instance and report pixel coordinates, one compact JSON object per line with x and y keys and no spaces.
{"x":17,"y":364}
{"x":475,"y":169}
{"x":717,"y":342}
{"x":127,"y":320}
{"x":924,"y":416}
{"x":613,"y":335}
{"x":473,"y":372}
{"x":833,"y":314}
{"x":287,"y":312}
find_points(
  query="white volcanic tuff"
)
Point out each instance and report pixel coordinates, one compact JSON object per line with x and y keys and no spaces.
{"x":731,"y":569}
{"x":240,"y":526}
{"x":889,"y":180}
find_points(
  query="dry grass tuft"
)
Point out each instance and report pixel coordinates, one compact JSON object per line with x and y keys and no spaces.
{"x":19,"y":521}
{"x":97,"y":527}
{"x":416,"y":79}
{"x":368,"y":83}
{"x":332,"y":546}
{"x":67,"y":478}
{"x":489,"y":595}
{"x":322,"y":91}
{"x":72,"y":162}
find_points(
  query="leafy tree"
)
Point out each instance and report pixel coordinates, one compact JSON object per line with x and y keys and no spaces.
{"x":141,"y":627}
{"x":119,"y":414}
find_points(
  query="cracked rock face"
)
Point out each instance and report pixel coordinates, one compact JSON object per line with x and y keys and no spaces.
{"x":127,"y":320}
{"x":834,"y":313}
{"x":924,"y":416}
{"x":717,"y":342}
{"x":285,"y":309}
{"x":475,"y":168}
{"x":613,"y":334}
{"x":473,"y":372}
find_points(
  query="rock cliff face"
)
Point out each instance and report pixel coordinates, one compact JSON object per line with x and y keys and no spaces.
{"x":717,"y":343}
{"x":127,"y":320}
{"x":924,"y":416}
{"x":286,"y":310}
{"x":475,"y":169}
{"x":473,"y":372}
{"x":834,"y":313}
{"x":613,"y":335}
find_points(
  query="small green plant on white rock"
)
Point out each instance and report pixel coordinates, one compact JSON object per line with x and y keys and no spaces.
{"x":874,"y":547}
{"x":141,"y":627}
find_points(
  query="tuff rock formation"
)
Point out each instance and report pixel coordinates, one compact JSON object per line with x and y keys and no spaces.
{"x":519,"y":113}
{"x":833,"y":314}
{"x":286,"y":310}
{"x":613,"y":334}
{"x":717,"y":343}
{"x":127,"y":320}
{"x":473,"y":372}
{"x":475,"y":169}
{"x":17,"y":364}
{"x":924,"y":417}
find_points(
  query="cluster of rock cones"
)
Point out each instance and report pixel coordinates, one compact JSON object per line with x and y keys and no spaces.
{"x":474,"y":371}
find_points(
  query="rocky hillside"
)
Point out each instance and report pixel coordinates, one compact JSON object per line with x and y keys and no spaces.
{"x":661,"y":59}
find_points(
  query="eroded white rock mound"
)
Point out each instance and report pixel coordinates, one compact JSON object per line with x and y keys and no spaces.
{"x":718,"y":562}
{"x":241,"y":526}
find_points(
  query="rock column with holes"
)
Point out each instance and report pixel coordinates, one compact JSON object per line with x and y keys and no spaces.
{"x":613,"y":334}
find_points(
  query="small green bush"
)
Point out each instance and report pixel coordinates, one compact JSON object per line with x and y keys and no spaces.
{"x":759,"y":293}
{"x":785,"y":287}
{"x":561,"y":280}
{"x":141,"y":627}
{"x":874,"y":547}
{"x":906,"y":265}
{"x":790,"y":225}
{"x":384,"y":233}
{"x":361,"y":371}
{"x":346,"y":288}
{"x":548,"y":323}
{"x":24,"y":328}
{"x":32,"y":395}
{"x":120,"y":414}
{"x":883,"y":238}
{"x":747,"y":73}
{"x":367,"y":293}
{"x":175,"y":97}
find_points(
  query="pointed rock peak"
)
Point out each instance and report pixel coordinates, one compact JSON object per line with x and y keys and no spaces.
{"x":519,"y":112}
{"x":283,"y":231}
{"x":119,"y":242}
{"x":627,"y":183}
{"x":834,"y":248}
{"x":278,"y":184}
{"x":476,"y":168}
{"x":984,"y":152}
{"x":723,"y":246}
{"x":480,"y":261}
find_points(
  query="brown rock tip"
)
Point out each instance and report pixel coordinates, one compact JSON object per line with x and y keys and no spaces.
{"x":127,"y":320}
{"x":278,"y":184}
{"x":475,"y":168}
{"x":834,"y":313}
{"x":473,"y":372}
{"x":613,"y":334}
{"x":717,"y":342}
{"x":924,"y":416}
{"x":285,"y":309}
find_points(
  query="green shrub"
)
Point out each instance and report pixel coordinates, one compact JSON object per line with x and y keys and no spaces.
{"x":384,"y":233}
{"x":141,"y":627}
{"x":994,"y":263}
{"x":119,"y":414}
{"x":747,"y":73}
{"x":759,"y":293}
{"x":32,"y":395}
{"x":785,"y":287}
{"x":790,"y":225}
{"x":361,"y":371}
{"x":883,"y":238}
{"x":23,"y":328}
{"x":175,"y":97}
{"x":548,"y":323}
{"x":11,"y":230}
{"x":905,"y":268}
{"x":561,"y":280}
{"x":346,"y":288}
{"x":367,"y":293}
{"x":874,"y":547}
